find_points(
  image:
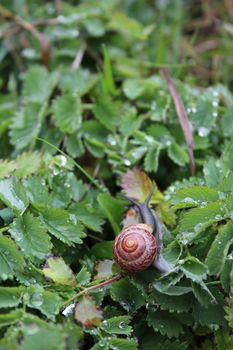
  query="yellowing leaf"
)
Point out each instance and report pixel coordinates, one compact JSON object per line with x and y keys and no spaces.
{"x":104,"y":269}
{"x":87,"y":313}
{"x":59,"y":272}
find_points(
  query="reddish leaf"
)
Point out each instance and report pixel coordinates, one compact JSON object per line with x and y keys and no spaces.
{"x":87,"y":312}
{"x":136,"y":184}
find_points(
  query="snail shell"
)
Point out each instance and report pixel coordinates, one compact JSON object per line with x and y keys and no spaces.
{"x":135,"y":248}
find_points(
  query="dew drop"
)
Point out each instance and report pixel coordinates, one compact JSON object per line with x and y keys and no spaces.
{"x":104,"y":324}
{"x":127,"y":162}
{"x":151,"y":307}
{"x":203,"y":204}
{"x":102,"y":343}
{"x":221,"y":195}
{"x":198,"y":227}
{"x":194,"y":110}
{"x":36,"y":299}
{"x":4,"y":276}
{"x":122,"y":325}
{"x":188,"y":200}
{"x":218,"y":217}
{"x":203,"y":131}
{"x":111,"y":140}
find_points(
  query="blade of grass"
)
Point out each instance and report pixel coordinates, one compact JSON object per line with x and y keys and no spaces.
{"x":183,"y":119}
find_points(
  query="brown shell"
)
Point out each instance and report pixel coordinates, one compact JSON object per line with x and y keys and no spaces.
{"x":135,"y":248}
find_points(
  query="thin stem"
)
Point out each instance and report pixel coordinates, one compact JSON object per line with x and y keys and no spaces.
{"x":90,"y":178}
{"x":94,"y":237}
{"x":89,"y":289}
{"x":213,"y":283}
{"x":5,"y":228}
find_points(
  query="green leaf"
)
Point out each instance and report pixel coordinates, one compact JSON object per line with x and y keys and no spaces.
{"x":127,"y":26}
{"x":203,"y":294}
{"x":152,"y":157}
{"x":78,"y":81}
{"x":13,"y":195}
{"x":59,"y":272}
{"x":214,"y":170}
{"x":102,"y":250}
{"x":89,"y":216}
{"x":48,"y":303}
{"x":227,"y":121}
{"x":38,"y":84}
{"x":84,"y":276}
{"x":117,"y":325}
{"x":172,"y":252}
{"x":37,"y":191}
{"x":123,"y":344}
{"x":197,"y":220}
{"x":10,"y":318}
{"x":173,"y":303}
{"x":178,"y":154}
{"x":166,"y":323}
{"x":211,"y":315}
{"x":67,"y":112}
{"x":203,"y":118}
{"x":58,"y":222}
{"x":11,"y":296}
{"x":42,"y":337}
{"x":87,"y":312}
{"x":226,"y":185}
{"x":6,"y":167}
{"x":225,"y":275}
{"x":30,"y":236}
{"x":113,"y":209}
{"x":26,"y":125}
{"x":107,"y":112}
{"x":217,"y":254}
{"x":223,"y":339}
{"x":193,"y":269}
{"x":108,"y":75}
{"x":27,"y":163}
{"x":11,"y":260}
{"x":194,"y":196}
{"x":128,"y":296}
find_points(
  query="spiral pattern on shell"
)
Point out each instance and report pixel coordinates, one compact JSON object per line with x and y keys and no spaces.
{"x":135,"y":248}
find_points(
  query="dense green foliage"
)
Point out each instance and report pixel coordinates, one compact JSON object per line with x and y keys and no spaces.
{"x":86,"y":115}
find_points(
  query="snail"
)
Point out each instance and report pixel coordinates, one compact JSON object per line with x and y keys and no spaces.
{"x":138,"y":246}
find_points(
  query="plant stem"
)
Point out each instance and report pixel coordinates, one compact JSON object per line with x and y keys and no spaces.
{"x":5,"y":228}
{"x":83,"y":171}
{"x":89,"y":289}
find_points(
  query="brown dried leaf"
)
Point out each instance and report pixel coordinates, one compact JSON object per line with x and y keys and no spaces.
{"x":104,"y":269}
{"x":131,"y":218}
{"x":88,"y":313}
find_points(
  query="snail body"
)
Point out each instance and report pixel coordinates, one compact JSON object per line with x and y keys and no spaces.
{"x":139,"y":246}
